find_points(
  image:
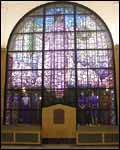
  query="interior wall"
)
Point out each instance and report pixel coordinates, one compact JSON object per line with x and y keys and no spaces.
{"x":116,"y":52}
{"x":3,"y":68}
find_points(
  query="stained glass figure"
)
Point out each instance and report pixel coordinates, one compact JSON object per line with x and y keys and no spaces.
{"x":82,"y":104}
{"x":94,"y":105}
{"x":15,"y":107}
{"x":35,"y":104}
{"x":26,"y":108}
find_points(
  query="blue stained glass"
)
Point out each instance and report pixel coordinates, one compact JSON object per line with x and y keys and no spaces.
{"x":49,"y":23}
{"x":50,"y":11}
{"x":59,"y":10}
{"x":80,"y":22}
{"x":69,"y":22}
{"x":38,"y":24}
{"x":69,"y":9}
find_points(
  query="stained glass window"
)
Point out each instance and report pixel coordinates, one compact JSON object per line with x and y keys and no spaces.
{"x":60,"y":53}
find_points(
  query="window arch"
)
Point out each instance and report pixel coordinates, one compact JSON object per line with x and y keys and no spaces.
{"x":60,"y":53}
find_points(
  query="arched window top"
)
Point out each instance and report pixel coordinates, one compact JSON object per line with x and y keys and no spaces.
{"x":67,"y":16}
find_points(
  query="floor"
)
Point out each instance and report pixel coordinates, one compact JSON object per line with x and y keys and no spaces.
{"x":55,"y":146}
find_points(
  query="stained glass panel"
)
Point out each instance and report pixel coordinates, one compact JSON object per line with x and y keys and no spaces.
{"x":36,"y":60}
{"x":54,"y":79}
{"x":82,"y":78}
{"x":28,"y":42}
{"x":54,"y":60}
{"x":69,"y":78}
{"x":106,"y":78}
{"x":37,"y":42}
{"x":37,"y":12}
{"x":104,"y":59}
{"x":69,"y":60}
{"x":49,"y":23}
{"x":14,"y":79}
{"x":59,"y":41}
{"x":49,"y":41}
{"x":15,"y":61}
{"x":80,"y":22}
{"x":69,"y":40}
{"x":59,"y":23}
{"x":100,"y":25}
{"x":82,"y":59}
{"x":69,"y":22}
{"x":27,"y":26}
{"x":93,"y":59}
{"x":32,"y":79}
{"x":90,"y":22}
{"x":59,"y":9}
{"x":92,"y":78}
{"x":81,"y":38}
{"x":82,"y":10}
{"x":26,"y":61}
{"x":9,"y":100}
{"x":17,"y":44}
{"x":103,"y":40}
{"x":91,"y":40}
{"x":38,"y":24}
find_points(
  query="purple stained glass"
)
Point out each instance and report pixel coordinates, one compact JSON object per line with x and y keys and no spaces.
{"x":31,"y":79}
{"x":81,"y":39}
{"x":82,"y":59}
{"x":55,"y":52}
{"x":91,"y":40}
{"x":106,"y":78}
{"x":92,"y":78}
{"x":49,"y":39}
{"x":59,"y":41}
{"x":54,"y":60}
{"x":14,"y":79}
{"x":37,"y":42}
{"x":103,"y":40}
{"x":69,"y":40}
{"x":93,"y":59}
{"x":9,"y":101}
{"x":82,"y":78}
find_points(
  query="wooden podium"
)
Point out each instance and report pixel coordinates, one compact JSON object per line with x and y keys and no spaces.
{"x":59,"y":121}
